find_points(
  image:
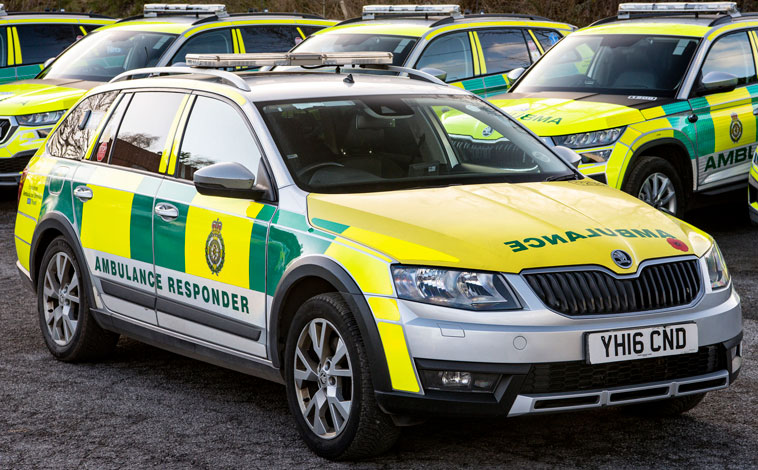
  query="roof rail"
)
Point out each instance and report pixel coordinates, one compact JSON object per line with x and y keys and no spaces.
{"x":407,"y":70}
{"x":4,"y":12}
{"x":229,"y":77}
{"x":451,"y":19}
{"x":276,"y":13}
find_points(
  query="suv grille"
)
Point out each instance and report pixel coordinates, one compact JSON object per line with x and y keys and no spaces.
{"x":578,"y":376}
{"x":5,"y":127}
{"x":597,"y":293}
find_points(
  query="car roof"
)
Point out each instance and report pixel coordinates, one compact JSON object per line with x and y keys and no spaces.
{"x":418,"y":27}
{"x":25,"y":16}
{"x":180,"y":24}
{"x":290,"y":85}
{"x":694,"y":26}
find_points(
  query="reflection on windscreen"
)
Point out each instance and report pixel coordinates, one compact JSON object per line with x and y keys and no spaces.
{"x":613,"y":64}
{"x":101,"y":56}
{"x":400,"y":46}
{"x":389,"y":142}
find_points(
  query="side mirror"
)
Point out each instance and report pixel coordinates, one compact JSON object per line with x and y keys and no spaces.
{"x":568,"y":155}
{"x":48,"y":62}
{"x":227,"y":179}
{"x":514,"y":74}
{"x":717,"y":82}
{"x":436,"y":73}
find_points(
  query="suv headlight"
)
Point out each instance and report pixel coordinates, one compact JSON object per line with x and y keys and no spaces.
{"x":717,"y":272}
{"x":40,"y":119}
{"x":590,"y":139}
{"x":452,"y":288}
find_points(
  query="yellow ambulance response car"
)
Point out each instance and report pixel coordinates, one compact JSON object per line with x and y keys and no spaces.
{"x":29,"y":39}
{"x":162,"y":36}
{"x":752,"y":191}
{"x":337,"y":233}
{"x":660,"y":101}
{"x":473,"y":52}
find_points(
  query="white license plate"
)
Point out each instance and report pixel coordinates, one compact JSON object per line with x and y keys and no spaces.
{"x":640,"y":343}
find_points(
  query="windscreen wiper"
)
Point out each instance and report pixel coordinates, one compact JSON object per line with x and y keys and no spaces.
{"x":569,"y":177}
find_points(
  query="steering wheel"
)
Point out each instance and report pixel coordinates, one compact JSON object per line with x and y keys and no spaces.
{"x":316,"y":166}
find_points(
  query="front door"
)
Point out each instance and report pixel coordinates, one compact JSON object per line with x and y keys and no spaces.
{"x":726,"y":124}
{"x":210,"y":252}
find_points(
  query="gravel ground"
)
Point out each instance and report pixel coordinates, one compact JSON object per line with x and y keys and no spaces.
{"x":146,"y":408}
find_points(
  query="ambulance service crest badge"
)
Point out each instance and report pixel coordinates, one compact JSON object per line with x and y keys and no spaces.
{"x":214,"y":248}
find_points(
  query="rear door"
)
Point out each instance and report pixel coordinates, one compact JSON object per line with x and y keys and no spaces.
{"x":113,"y":198}
{"x":726,"y":121}
{"x":210,"y":252}
{"x":501,"y":50}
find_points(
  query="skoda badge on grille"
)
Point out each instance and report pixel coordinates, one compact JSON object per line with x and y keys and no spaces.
{"x":621,"y":258}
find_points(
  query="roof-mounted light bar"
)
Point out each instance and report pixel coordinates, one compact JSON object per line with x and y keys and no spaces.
{"x":370,"y":12}
{"x":729,"y":8}
{"x":288,"y":59}
{"x":153,"y":9}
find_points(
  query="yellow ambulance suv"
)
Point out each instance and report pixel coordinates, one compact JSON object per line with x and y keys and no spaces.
{"x":473,"y":52}
{"x":336,"y":233}
{"x":161,"y":36}
{"x":660,"y":100}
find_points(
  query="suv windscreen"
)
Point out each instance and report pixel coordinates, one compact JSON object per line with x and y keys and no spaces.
{"x":400,"y":46}
{"x":379,"y":143}
{"x":613,"y":64}
{"x":103,"y":55}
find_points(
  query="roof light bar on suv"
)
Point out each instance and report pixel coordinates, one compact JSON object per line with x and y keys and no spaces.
{"x":154,"y":9}
{"x":370,"y":12}
{"x":288,"y":59}
{"x":729,"y":8}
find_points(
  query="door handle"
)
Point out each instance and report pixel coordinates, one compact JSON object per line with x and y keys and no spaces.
{"x":83,"y":193}
{"x":166,"y":211}
{"x":755,"y":111}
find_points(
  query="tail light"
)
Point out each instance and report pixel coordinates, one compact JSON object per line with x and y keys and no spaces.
{"x":21,"y":185}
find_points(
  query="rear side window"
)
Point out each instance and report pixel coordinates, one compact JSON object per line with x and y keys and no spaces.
{"x":451,"y":54}
{"x":142,"y":135}
{"x":504,"y":50}
{"x":231,"y":142}
{"x":40,"y":42}
{"x":270,"y":38}
{"x":731,"y":54}
{"x":213,"y":42}
{"x":546,"y":37}
{"x":308,"y":30}
{"x":3,"y":47}
{"x":74,"y":135}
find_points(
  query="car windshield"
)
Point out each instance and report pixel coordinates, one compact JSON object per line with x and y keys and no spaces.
{"x":400,"y":46}
{"x":629,"y":64}
{"x":379,"y":143}
{"x":103,"y":55}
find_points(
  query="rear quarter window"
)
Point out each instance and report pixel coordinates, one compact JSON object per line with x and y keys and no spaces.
{"x":75,"y":134}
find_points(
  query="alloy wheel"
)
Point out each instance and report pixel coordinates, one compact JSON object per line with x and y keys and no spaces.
{"x":60,"y":298}
{"x":658,"y":191}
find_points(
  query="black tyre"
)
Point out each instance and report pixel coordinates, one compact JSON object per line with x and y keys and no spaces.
{"x":655,"y":181}
{"x":666,"y":408}
{"x":70,"y":332}
{"x":329,"y":388}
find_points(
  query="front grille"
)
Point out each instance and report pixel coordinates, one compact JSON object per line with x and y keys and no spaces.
{"x":579,"y":376}
{"x":14,"y":164}
{"x":5,"y":127}
{"x":598,"y":293}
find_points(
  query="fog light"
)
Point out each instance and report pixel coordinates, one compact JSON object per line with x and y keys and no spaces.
{"x":598,"y":156}
{"x":735,"y":354}
{"x":459,"y":381}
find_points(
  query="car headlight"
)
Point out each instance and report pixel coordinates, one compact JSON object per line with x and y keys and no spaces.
{"x":452,"y":288}
{"x":717,"y":272}
{"x":590,"y":139}
{"x":40,"y":119}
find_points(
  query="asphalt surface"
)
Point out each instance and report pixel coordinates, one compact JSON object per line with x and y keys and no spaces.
{"x":146,"y":408}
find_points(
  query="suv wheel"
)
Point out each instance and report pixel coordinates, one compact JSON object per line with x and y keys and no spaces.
{"x":329,"y":388}
{"x":70,"y":332}
{"x":656,"y":182}
{"x":666,"y":408}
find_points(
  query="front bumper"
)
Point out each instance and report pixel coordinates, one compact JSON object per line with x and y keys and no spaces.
{"x":540,"y":357}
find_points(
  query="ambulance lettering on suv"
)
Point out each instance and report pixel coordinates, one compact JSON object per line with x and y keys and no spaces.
{"x":473,"y":52}
{"x":338,"y":233}
{"x":162,"y":35}
{"x":659,"y":100}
